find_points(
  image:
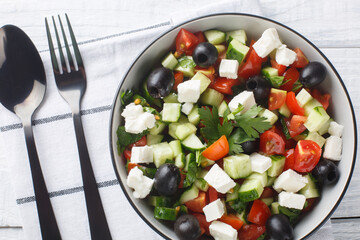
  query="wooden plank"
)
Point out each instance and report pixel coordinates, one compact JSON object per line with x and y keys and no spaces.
{"x":346,"y":228}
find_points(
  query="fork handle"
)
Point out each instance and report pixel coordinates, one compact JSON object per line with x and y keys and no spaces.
{"x":48,"y":226}
{"x":99,"y":228}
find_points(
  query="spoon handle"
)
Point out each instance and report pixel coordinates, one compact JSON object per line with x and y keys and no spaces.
{"x":48,"y":225}
{"x":99,"y":228}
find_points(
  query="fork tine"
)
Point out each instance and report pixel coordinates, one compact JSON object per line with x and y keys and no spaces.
{"x":51,"y":47}
{"x":75,"y":45}
{"x":68,"y":53}
{"x":62,"y":59}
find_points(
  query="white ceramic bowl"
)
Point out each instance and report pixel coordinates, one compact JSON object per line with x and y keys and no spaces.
{"x":341,"y":110}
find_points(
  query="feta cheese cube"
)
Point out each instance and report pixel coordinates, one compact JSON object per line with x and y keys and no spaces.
{"x":136,"y":120}
{"x":141,"y":184}
{"x":142,"y":154}
{"x":245,"y":98}
{"x":285,"y":56}
{"x":222,"y":231}
{"x":332,"y":149}
{"x":214,"y":210}
{"x":219,"y":180}
{"x":336,"y":129}
{"x":228,"y":68}
{"x":260,"y":163}
{"x":292,"y":200}
{"x":290,"y":181}
{"x":132,"y":111}
{"x":187,"y":107}
{"x":268,"y":41}
{"x":189,"y":91}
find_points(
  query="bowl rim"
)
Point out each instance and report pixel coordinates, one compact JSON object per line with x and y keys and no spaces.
{"x":246,"y":15}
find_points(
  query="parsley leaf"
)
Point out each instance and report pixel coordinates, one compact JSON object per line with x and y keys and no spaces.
{"x":238,"y":137}
{"x":192,"y":172}
{"x":250,"y":124}
{"x":125,"y":138}
{"x":126,"y":97}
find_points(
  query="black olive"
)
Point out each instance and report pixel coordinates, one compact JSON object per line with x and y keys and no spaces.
{"x":205,"y":54}
{"x":160,"y":82}
{"x":313,"y":74}
{"x":187,"y":227}
{"x":167,"y":178}
{"x":326,"y":172}
{"x":250,"y":146}
{"x":259,"y":86}
{"x":278,"y":227}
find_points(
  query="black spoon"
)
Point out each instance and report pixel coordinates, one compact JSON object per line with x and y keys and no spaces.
{"x":22,"y":89}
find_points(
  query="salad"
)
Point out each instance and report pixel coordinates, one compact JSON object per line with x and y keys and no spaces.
{"x":229,"y":140}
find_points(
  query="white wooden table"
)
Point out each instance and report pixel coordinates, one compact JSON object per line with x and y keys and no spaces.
{"x":331,"y":24}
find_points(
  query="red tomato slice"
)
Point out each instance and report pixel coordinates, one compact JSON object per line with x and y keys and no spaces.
{"x":276,"y":98}
{"x":252,"y":64}
{"x":232,"y":220}
{"x":271,"y":143}
{"x":296,"y":125}
{"x":293,"y":105}
{"x":281,"y":68}
{"x":217,"y":150}
{"x":251,"y":232}
{"x":131,"y":166}
{"x":307,"y":155}
{"x":213,"y":194}
{"x":186,"y":42}
{"x":290,"y":160}
{"x":140,"y":143}
{"x":268,"y":192}
{"x":290,"y":77}
{"x":127,"y":153}
{"x":322,"y":98}
{"x":197,"y":204}
{"x":200,"y":36}
{"x":301,"y":61}
{"x":224,"y":85}
{"x":179,"y":78}
{"x":259,"y":213}
{"x":203,"y":223}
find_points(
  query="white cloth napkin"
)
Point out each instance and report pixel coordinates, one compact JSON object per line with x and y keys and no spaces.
{"x":106,"y":61}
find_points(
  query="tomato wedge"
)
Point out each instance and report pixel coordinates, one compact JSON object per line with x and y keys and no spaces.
{"x":232,"y":220}
{"x":140,"y":143}
{"x":204,"y":225}
{"x":217,"y":150}
{"x":271,"y":143}
{"x":290,"y":77}
{"x":179,"y":78}
{"x":296,"y":125}
{"x":281,"y":68}
{"x":186,"y":42}
{"x":290,"y":160}
{"x":322,"y":98}
{"x":224,"y":85}
{"x":259,"y":213}
{"x":307,"y":155}
{"x":251,"y":232}
{"x":293,"y":105}
{"x":131,"y":166}
{"x":197,"y":204}
{"x":252,"y":64}
{"x":213,"y":194}
{"x":200,"y":36}
{"x":301,"y":61}
{"x":127,"y":153}
{"x":276,"y":99}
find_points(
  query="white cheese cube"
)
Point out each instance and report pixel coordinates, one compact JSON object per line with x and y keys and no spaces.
{"x":268,"y":41}
{"x":136,"y":120}
{"x":332,"y":149}
{"x":132,"y":111}
{"x":303,"y":97}
{"x":187,"y":107}
{"x":189,"y":91}
{"x":147,"y":119}
{"x":219,"y":180}
{"x":141,"y":184}
{"x":222,"y":231}
{"x":269,"y":115}
{"x":336,"y":129}
{"x":228,"y":68}
{"x":143,"y":154}
{"x":285,"y":56}
{"x":290,"y":181}
{"x":260,"y":163}
{"x":214,"y":210}
{"x":245,"y":98}
{"x":292,"y":200}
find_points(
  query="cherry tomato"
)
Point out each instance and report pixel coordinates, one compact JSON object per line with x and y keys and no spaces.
{"x":217,"y":150}
{"x":296,"y":125}
{"x":290,"y":160}
{"x":197,"y":204}
{"x":293,"y":105}
{"x":251,"y":232}
{"x":301,"y":61}
{"x":259,"y":213}
{"x":179,"y":78}
{"x":268,"y":192}
{"x":186,"y":42}
{"x":200,"y":36}
{"x":232,"y":220}
{"x":213,"y":194}
{"x":322,"y":98}
{"x":224,"y":85}
{"x":276,"y":99}
{"x":281,"y":68}
{"x":307,"y":155}
{"x":127,"y":153}
{"x":290,"y":77}
{"x":204,"y":225}
{"x":271,"y":143}
{"x":140,"y":143}
{"x":252,"y":64}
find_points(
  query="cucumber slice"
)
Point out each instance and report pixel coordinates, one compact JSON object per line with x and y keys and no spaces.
{"x":189,"y":194}
{"x":180,"y":160}
{"x":189,"y":158}
{"x":220,"y":48}
{"x":270,"y":181}
{"x":310,"y":190}
{"x":158,"y":128}
{"x":172,"y":129}
{"x":268,"y":201}
{"x":183,"y":119}
{"x":314,"y":136}
{"x":171,"y":98}
{"x":204,"y":81}
{"x":153,"y":139}
{"x":204,"y":162}
{"x":192,"y":143}
{"x":194,"y":116}
{"x":171,"y":112}
{"x":176,"y":147}
{"x":269,"y":115}
{"x":160,"y":201}
{"x":310,"y":106}
{"x":215,"y":36}
{"x":316,"y":119}
{"x":269,"y":72}
{"x":242,"y":217}
{"x":222,"y":108}
{"x":278,"y":163}
{"x":325,"y":128}
{"x":201,"y":184}
{"x":186,"y":66}
{"x":237,"y":51}
{"x":184,"y":130}
{"x":250,"y":190}
{"x":231,"y":196}
{"x":284,"y":110}
{"x":303,"y":97}
{"x":239,"y":35}
{"x":260,"y":176}
{"x":164,"y":213}
{"x":162,"y":152}
{"x":237,"y":166}
{"x":170,"y":61}
{"x":275,"y":208}
{"x":211,"y":97}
